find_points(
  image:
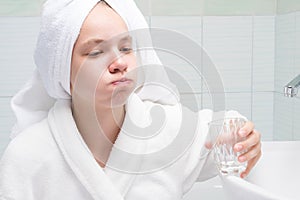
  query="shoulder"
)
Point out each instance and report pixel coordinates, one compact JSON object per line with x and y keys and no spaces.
{"x":26,"y":161}
{"x":30,"y":146}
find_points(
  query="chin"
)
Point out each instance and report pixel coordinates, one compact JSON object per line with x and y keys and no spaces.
{"x":120,"y":98}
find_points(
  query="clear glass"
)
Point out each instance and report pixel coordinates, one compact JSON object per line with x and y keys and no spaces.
{"x":224,"y":135}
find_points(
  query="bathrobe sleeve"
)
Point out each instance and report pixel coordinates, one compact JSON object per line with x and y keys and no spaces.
{"x":32,"y":168}
{"x":200,"y":162}
{"x":17,"y":166}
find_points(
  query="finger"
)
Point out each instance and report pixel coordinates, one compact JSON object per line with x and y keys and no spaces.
{"x":246,"y":129}
{"x":251,"y":140}
{"x":252,"y":153}
{"x":208,"y":145}
{"x":250,"y":165}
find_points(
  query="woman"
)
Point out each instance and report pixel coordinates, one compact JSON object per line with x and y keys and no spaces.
{"x":71,"y":145}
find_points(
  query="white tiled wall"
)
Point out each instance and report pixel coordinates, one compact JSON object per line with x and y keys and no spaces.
{"x":283,"y":118}
{"x":263,"y":113}
{"x":287,"y":6}
{"x":20,"y":7}
{"x":296,"y":124}
{"x":263,"y":53}
{"x":242,"y":49}
{"x":190,"y":27}
{"x":208,"y":7}
{"x":287,"y":66}
{"x":285,"y":50}
{"x":17,"y":38}
{"x":228,"y":41}
{"x":240,"y":101}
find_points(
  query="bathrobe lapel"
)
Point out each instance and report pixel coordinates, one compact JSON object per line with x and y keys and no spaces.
{"x":78,"y":156}
{"x":109,"y":183}
{"x":122,"y":168}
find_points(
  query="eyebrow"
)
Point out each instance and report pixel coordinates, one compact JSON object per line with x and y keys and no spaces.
{"x":91,"y":42}
{"x":127,"y":37}
{"x":96,"y":41}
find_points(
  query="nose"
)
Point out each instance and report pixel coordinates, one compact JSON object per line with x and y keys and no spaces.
{"x":118,"y":65}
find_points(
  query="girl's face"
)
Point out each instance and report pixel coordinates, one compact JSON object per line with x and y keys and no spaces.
{"x":103,"y":59}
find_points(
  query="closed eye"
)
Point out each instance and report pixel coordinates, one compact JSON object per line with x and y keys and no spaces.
{"x":126,"y":49}
{"x":95,"y":53}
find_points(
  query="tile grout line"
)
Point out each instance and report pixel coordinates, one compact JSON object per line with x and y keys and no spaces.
{"x":275,"y":67}
{"x":252,"y":70}
{"x":5,"y":96}
{"x":294,"y":71}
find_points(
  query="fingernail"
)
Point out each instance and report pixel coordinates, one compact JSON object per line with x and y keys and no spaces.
{"x":238,"y":147}
{"x":242,"y":158}
{"x":242,"y":132}
{"x":243,"y":175}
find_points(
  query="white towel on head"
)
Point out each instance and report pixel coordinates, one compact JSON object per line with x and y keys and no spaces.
{"x":60,"y":25}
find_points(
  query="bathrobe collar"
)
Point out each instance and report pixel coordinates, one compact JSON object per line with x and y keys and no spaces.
{"x":77,"y":155}
{"x":102,"y":183}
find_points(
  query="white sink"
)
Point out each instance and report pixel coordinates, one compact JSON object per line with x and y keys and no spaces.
{"x":276,"y":176}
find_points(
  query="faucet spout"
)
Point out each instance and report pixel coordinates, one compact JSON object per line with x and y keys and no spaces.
{"x":291,"y":89}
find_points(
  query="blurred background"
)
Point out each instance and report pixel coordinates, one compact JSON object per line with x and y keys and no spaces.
{"x":255,"y":45}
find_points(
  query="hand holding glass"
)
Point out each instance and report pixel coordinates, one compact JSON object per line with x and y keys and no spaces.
{"x":224,"y":135}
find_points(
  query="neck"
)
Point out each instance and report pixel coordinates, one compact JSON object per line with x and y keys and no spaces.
{"x":110,"y":120}
{"x":98,"y":127}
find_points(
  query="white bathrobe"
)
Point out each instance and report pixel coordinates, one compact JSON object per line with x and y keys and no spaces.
{"x":50,"y":160}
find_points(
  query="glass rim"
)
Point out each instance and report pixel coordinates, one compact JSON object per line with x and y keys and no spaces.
{"x":225,"y":120}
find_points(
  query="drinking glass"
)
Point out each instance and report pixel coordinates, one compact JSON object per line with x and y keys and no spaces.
{"x":224,"y":135}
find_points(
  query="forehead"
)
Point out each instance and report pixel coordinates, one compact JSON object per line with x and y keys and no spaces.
{"x":103,"y":23}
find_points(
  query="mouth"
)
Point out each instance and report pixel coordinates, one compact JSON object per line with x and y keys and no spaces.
{"x":122,"y":81}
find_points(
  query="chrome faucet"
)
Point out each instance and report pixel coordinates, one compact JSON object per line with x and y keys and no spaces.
{"x":291,"y":89}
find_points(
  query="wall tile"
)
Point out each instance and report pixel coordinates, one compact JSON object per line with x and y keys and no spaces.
{"x":285,"y":50}
{"x":296,"y":117}
{"x":166,"y":7}
{"x":186,"y":77}
{"x":263,"y":53}
{"x":287,"y":6}
{"x":191,"y":26}
{"x":20,"y":7}
{"x":214,"y":7}
{"x":297,"y":53}
{"x":228,"y":41}
{"x":240,"y":102}
{"x":283,"y":117}
{"x":186,"y":28}
{"x":176,"y":7}
{"x":263,"y":112}
{"x":17,"y":37}
{"x":286,"y":68}
{"x":239,"y":7}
